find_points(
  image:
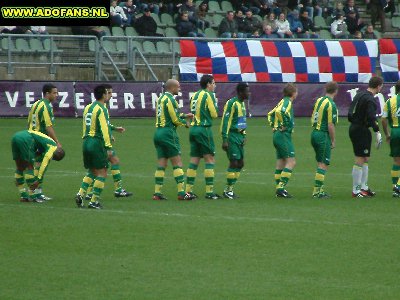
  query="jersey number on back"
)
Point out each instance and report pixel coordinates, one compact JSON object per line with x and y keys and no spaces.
{"x":88,"y":119}
{"x":316,"y":117}
{"x":33,"y":121}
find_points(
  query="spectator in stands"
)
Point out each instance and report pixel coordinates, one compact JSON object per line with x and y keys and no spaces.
{"x":283,"y":27}
{"x":185,"y":28}
{"x":146,"y":25}
{"x":269,"y":20}
{"x":391,"y":7}
{"x":15,"y":29}
{"x":39,"y":30}
{"x":376,"y":8}
{"x":308,"y":26}
{"x":130,"y":11}
{"x":228,"y":27}
{"x":295,"y":25}
{"x":153,"y":7}
{"x":190,"y":8}
{"x":268,"y":33}
{"x":251,"y":23}
{"x":357,"y":35}
{"x":339,"y":27}
{"x":281,"y":7}
{"x":88,"y":30}
{"x":239,"y":18}
{"x":319,"y":6}
{"x":255,"y":34}
{"x":369,"y":33}
{"x":353,"y":24}
{"x":309,"y":6}
{"x":201,"y":14}
{"x":338,"y":9}
{"x":118,"y":17}
{"x":173,"y":6}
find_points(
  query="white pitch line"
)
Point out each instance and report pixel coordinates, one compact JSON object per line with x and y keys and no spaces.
{"x":200,"y":217}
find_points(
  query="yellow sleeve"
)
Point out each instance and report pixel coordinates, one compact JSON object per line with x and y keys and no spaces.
{"x":46,"y":117}
{"x":212,"y":107}
{"x":104,"y":129}
{"x":330,"y":117}
{"x":173,"y":114}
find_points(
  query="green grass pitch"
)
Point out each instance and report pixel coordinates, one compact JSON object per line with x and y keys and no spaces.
{"x":255,"y":247}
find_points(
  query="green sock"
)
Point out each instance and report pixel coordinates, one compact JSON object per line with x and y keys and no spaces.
{"x":86,"y":183}
{"x":191,"y":174}
{"x":230,"y":179}
{"x":209,"y":176}
{"x":285,"y":176}
{"x":98,"y":187}
{"x":180,"y":180}
{"x":116,"y":174}
{"x":159,"y":179}
{"x":319,"y":181}
{"x":20,"y":183}
{"x":395,"y":173}
{"x":277,"y":176}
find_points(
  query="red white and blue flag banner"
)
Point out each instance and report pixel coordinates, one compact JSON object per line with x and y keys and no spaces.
{"x":390,"y":59}
{"x":279,"y":61}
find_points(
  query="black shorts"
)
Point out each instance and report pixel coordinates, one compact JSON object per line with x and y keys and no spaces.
{"x":361,"y":139}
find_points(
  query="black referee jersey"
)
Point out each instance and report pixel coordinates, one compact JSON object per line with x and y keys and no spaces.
{"x":363,"y":110}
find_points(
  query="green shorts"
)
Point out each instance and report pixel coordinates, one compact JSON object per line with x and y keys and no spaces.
{"x":395,"y":142}
{"x":201,"y":141}
{"x":321,"y":143}
{"x":235,"y":146}
{"x":283,"y":144}
{"x":94,"y":153}
{"x":166,"y":141}
{"x":23,"y":147}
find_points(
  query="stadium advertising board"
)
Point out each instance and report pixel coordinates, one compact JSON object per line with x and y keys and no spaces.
{"x":137,"y":99}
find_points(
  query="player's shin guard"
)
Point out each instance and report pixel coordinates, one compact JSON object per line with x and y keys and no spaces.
{"x":209,"y":176}
{"x":159,"y":179}
{"x":86,"y":183}
{"x":230,"y":179}
{"x":98,"y":187}
{"x":179,"y":178}
{"x":357,"y":174}
{"x":277,"y":176}
{"x":20,"y":183}
{"x":364,"y":177}
{"x":395,"y":173}
{"x":319,"y":181}
{"x":116,"y":174}
{"x":285,"y":176}
{"x":191,"y":174}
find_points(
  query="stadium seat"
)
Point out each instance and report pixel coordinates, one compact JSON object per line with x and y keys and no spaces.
{"x":167,"y":20}
{"x":160,"y":31}
{"x":36,"y":45}
{"x":122,"y":46}
{"x":163,"y":47}
{"x":210,"y":33}
{"x":325,"y":34}
{"x":158,"y":21}
{"x":106,"y":29}
{"x":328,"y":21}
{"x":149,"y":48}
{"x":396,"y":22}
{"x":217,"y":19}
{"x":226,"y":6}
{"x":213,"y":7}
{"x":6,"y":45}
{"x":110,"y":47}
{"x":137,"y":45}
{"x":92,"y":45}
{"x":22,"y":45}
{"x":175,"y":47}
{"x":122,"y":4}
{"x":130,"y":31}
{"x":320,"y":22}
{"x":47,"y":45}
{"x":171,"y":32}
{"x":117,"y":31}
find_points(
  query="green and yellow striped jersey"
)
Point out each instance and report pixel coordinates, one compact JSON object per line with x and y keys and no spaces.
{"x":233,"y":118}
{"x":204,"y":108}
{"x":41,"y":116}
{"x":282,"y":115}
{"x":168,"y":112}
{"x":325,"y":112}
{"x":96,"y":123}
{"x":43,"y":144}
{"x":391,"y":111}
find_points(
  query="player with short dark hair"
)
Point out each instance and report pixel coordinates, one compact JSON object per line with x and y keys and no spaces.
{"x":233,"y":131}
{"x":323,"y":121}
{"x":41,"y":119}
{"x":97,"y":147}
{"x":281,"y":119}
{"x":119,"y":191}
{"x":25,"y":146}
{"x":204,"y":109}
{"x":391,"y":118}
{"x":166,"y":140}
{"x":362,"y":115}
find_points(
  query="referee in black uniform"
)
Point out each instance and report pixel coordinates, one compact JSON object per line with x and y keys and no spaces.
{"x":362,"y":115}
